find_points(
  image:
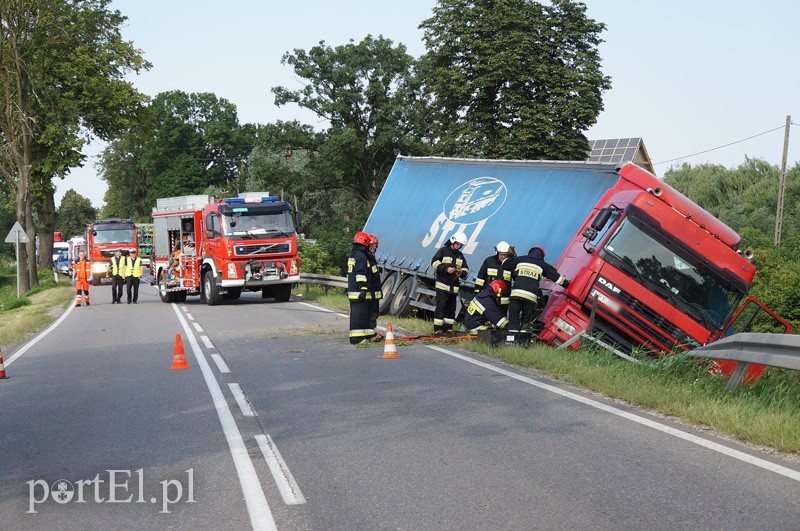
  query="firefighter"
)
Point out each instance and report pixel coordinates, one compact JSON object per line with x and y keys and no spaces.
{"x":81,"y":276}
{"x":486,"y":309}
{"x":526,"y":273}
{"x":493,"y":269}
{"x":358,"y":290}
{"x":451,"y":267}
{"x":133,"y":270}
{"x":174,"y":264}
{"x":117,"y":274}
{"x":375,"y":285}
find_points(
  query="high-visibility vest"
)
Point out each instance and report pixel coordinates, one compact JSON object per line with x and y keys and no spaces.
{"x":133,"y":267}
{"x":117,"y":265}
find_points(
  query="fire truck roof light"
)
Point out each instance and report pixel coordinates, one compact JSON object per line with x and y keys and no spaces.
{"x":242,"y":200}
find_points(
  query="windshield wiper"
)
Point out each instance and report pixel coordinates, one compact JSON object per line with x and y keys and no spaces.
{"x":283,"y":234}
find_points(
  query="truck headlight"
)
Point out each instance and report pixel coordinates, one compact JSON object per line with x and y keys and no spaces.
{"x":563,"y":325}
{"x":293,"y":268}
{"x":232,"y":270}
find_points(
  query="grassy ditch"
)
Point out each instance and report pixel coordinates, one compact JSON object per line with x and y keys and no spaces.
{"x":19,"y":316}
{"x":767,"y":413}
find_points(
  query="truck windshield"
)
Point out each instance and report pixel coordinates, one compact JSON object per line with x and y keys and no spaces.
{"x":115,"y":236}
{"x":672,"y":273}
{"x":244,"y":225}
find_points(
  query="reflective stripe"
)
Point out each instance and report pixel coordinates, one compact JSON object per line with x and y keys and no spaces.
{"x":477,"y":328}
{"x":507,"y":276}
{"x":523,"y":294}
{"x":492,"y":272}
{"x":436,"y":264}
{"x":361,"y":333}
{"x":479,"y":281}
{"x":361,"y":278}
{"x":437,"y":322}
{"x":505,"y":300}
{"x":561,"y":280}
{"x":480,"y":306}
{"x":447,"y":260}
{"x":353,"y":295}
{"x":502,"y":323}
{"x":441,"y":286}
{"x":449,"y":321}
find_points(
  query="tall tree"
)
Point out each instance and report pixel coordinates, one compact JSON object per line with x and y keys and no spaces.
{"x":74,"y":214}
{"x":369,"y":95}
{"x":513,"y":79}
{"x":62,"y":64}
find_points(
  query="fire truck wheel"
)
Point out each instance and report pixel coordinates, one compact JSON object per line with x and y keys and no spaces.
{"x":210,"y":289}
{"x":162,"y":289}
{"x":233,"y":294}
{"x":283,"y":292}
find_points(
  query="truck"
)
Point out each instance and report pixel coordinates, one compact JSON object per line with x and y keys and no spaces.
{"x":103,"y":238}
{"x":218,"y":248}
{"x":145,"y":237}
{"x":650,"y":269}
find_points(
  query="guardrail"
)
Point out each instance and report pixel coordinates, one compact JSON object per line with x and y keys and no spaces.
{"x":776,"y":350}
{"x":329,"y":281}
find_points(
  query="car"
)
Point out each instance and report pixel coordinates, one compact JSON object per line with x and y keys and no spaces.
{"x":62,"y":264}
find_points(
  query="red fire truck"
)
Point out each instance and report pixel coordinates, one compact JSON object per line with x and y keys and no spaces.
{"x":103,"y":238}
{"x":219,"y":248}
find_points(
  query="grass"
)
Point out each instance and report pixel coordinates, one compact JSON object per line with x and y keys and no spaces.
{"x":19,"y":316}
{"x":766,"y":413}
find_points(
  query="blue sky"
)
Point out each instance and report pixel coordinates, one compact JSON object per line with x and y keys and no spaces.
{"x":687,"y":76}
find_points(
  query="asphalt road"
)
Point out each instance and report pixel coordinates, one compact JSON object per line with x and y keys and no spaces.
{"x":280,"y":423}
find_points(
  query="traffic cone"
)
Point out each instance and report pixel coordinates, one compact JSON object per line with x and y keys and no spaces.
{"x":178,"y":357}
{"x":389,"y":348}
{"x":2,"y":370}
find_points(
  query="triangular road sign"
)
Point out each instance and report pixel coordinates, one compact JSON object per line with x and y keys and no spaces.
{"x":17,"y":232}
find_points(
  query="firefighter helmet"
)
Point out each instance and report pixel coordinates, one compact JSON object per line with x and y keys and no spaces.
{"x":498,"y":287}
{"x":373,"y":240}
{"x":502,"y":247}
{"x":362,"y":238}
{"x":459,"y":237}
{"x":536,"y":248}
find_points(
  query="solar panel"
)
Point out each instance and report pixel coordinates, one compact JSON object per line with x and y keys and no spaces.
{"x":620,"y":150}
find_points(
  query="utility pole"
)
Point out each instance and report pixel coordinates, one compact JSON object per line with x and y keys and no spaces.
{"x":782,"y":185}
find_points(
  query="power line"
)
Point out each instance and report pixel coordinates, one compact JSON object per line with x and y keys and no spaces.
{"x":720,"y":147}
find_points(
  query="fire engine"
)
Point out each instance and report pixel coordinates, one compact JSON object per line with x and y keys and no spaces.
{"x":103,"y":238}
{"x":219,"y":248}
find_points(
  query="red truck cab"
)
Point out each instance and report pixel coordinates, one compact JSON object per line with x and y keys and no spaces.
{"x":103,"y":238}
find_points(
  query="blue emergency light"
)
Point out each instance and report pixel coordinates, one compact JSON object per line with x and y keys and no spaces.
{"x":242,"y":200}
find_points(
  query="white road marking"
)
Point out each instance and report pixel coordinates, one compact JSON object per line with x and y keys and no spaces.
{"x":221,"y":365}
{"x":342,"y":315}
{"x":20,"y":352}
{"x":189,"y":316}
{"x":207,"y":342}
{"x":320,"y":308}
{"x":730,"y":452}
{"x":257,"y":506}
{"x":244,"y":405}
{"x":290,"y":491}
{"x":197,"y":327}
{"x":184,"y":308}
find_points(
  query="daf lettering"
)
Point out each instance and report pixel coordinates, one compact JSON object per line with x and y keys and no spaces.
{"x":609,"y":285}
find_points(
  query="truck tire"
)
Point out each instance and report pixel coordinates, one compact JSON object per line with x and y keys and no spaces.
{"x":162,"y":289}
{"x":233,"y":294}
{"x":283,"y":292}
{"x":401,"y":302}
{"x":387,"y":287}
{"x":211,"y":290}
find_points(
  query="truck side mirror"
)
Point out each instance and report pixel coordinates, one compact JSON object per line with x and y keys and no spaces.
{"x":298,"y":222}
{"x":209,"y":235}
{"x":601,"y":219}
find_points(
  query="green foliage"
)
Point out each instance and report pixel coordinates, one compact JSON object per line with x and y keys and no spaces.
{"x":513,"y":78}
{"x":74,"y":214}
{"x":315,"y":259}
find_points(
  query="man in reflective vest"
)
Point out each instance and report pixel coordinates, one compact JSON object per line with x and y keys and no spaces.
{"x":81,"y":276}
{"x":133,"y":271}
{"x":117,"y":274}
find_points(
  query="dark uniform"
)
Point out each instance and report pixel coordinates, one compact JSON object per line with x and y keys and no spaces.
{"x":493,"y":269}
{"x":358,"y":291}
{"x":526,"y":273}
{"x":117,"y":271}
{"x":374,"y":283}
{"x":484,"y":311}
{"x":447,"y":284}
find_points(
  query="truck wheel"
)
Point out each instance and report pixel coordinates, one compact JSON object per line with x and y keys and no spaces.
{"x":401,"y":302}
{"x":210,"y":289}
{"x":162,"y":289}
{"x":283,"y":292}
{"x":233,"y":294}
{"x":384,"y":305}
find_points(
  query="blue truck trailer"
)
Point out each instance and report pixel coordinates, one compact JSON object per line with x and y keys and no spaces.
{"x":649,"y":266}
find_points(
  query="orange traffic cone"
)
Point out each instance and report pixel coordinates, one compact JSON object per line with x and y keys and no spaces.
{"x":178,"y":357}
{"x":389,"y":348}
{"x":2,"y":370}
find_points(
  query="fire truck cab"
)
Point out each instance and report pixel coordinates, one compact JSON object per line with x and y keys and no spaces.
{"x":218,"y":248}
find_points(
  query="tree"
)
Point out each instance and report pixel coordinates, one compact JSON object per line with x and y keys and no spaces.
{"x":513,"y":78}
{"x":74,"y":214}
{"x":372,"y":100}
{"x":62,"y":64}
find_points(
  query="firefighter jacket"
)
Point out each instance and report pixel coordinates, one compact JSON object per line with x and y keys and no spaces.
{"x":82,"y":270}
{"x":527,"y":271}
{"x":493,"y":269}
{"x":449,"y":257}
{"x":358,"y":274}
{"x":133,"y":266}
{"x":374,"y":282}
{"x":485,"y":309}
{"x":117,"y":265}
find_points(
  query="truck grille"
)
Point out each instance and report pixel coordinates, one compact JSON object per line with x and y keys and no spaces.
{"x":263,"y":249}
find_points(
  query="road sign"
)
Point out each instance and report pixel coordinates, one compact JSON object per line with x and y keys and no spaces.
{"x":17,"y":234}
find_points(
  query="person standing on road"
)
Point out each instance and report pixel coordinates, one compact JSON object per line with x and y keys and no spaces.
{"x":133,"y":270}
{"x":526,"y":274}
{"x":493,"y":269}
{"x":451,"y":267}
{"x":375,"y":285}
{"x":81,"y":276}
{"x":358,"y":290}
{"x":117,"y":274}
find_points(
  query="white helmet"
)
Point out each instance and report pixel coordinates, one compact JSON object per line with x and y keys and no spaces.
{"x":502,"y":247}
{"x":459,"y":237}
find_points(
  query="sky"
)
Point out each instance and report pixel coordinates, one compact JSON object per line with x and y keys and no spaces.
{"x":702,"y":81}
